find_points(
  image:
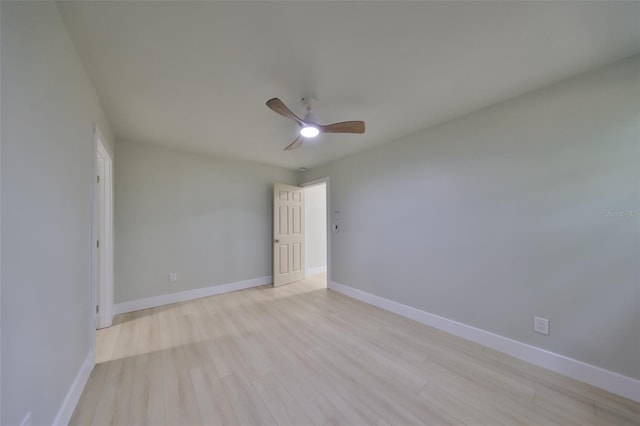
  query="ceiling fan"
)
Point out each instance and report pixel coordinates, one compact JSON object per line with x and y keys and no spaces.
{"x":309,"y":127}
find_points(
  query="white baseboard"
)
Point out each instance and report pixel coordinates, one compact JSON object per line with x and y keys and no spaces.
{"x":73,"y":396}
{"x":316,"y":270}
{"x":578,"y":370}
{"x":182,"y":296}
{"x":27,"y":420}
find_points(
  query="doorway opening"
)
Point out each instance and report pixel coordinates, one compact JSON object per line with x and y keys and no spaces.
{"x":316,"y":231}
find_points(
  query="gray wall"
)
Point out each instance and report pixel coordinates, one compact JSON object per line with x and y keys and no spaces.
{"x":210,"y":220}
{"x":48,"y":106}
{"x":315,"y":222}
{"x":506,"y":213}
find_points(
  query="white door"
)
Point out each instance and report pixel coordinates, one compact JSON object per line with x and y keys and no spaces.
{"x":103,"y":229}
{"x":288,"y":234}
{"x":99,"y":212}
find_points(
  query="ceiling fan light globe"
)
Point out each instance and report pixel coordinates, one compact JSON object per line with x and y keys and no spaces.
{"x":309,"y":131}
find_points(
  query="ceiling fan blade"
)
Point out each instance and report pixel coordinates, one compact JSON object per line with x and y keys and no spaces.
{"x":279,"y":107}
{"x":344,"y":127}
{"x":295,"y":144}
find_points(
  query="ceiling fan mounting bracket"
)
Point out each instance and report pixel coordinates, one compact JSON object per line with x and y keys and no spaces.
{"x":308,"y":102}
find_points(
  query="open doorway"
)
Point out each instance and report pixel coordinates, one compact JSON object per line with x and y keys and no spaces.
{"x":316,"y":234}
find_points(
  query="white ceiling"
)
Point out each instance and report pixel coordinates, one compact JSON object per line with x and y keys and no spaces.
{"x":196,"y":75}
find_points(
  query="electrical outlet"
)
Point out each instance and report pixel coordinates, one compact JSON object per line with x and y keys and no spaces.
{"x":173,"y":277}
{"x":541,"y":325}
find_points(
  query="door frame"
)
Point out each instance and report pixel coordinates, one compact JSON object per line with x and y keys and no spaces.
{"x":102,"y":277}
{"x":314,"y":182}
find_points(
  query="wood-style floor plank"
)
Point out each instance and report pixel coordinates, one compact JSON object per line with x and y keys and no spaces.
{"x":301,"y":355}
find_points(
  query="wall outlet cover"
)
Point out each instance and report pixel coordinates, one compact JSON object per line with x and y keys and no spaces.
{"x":173,"y":277}
{"x":541,"y":325}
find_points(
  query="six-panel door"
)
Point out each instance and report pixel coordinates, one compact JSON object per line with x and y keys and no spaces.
{"x":288,"y":234}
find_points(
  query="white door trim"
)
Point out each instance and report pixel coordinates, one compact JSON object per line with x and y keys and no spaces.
{"x":104,"y":284}
{"x":314,"y":182}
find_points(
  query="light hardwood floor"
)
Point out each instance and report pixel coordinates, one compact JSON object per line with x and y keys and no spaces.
{"x":302,"y":354}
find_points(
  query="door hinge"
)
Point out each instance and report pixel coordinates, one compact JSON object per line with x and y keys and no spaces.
{"x":98,"y":179}
{"x":97,"y":309}
{"x":97,"y":243}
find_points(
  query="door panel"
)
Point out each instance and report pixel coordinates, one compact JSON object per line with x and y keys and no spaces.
{"x":296,"y":265}
{"x":288,"y":234}
{"x":284,"y":221}
{"x":99,"y":220}
{"x":296,"y":213}
{"x":284,"y":258}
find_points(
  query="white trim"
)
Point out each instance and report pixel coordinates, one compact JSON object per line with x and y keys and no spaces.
{"x":73,"y":396}
{"x":105,"y":145}
{"x":182,"y":296}
{"x":315,"y":182}
{"x":27,"y":420}
{"x":316,"y":270}
{"x":587,"y":373}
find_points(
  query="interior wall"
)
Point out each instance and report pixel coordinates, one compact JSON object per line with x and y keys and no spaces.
{"x":48,"y":109}
{"x":528,"y":207}
{"x":210,"y":220}
{"x":315,"y":205}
